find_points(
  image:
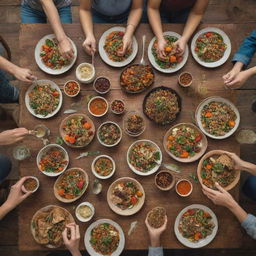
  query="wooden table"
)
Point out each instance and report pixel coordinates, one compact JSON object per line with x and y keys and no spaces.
{"x":207,"y":82}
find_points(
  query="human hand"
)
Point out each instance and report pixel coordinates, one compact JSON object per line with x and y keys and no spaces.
{"x":237,"y":161}
{"x":155,"y":233}
{"x":89,"y":45}
{"x":9,"y":137}
{"x":181,"y":46}
{"x":66,"y":49}
{"x":23,"y":74}
{"x":127,"y":44}
{"x":161,"y":43}
{"x":235,"y":81}
{"x":72,"y":244}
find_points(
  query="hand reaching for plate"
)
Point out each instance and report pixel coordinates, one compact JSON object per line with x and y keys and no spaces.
{"x":89,"y":45}
{"x":181,"y":46}
{"x":161,"y":43}
{"x":66,"y":49}
{"x":127,"y":44}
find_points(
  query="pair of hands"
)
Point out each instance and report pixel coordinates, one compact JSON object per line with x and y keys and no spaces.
{"x":9,"y":137}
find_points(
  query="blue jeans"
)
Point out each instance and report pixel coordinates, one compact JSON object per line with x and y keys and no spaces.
{"x":249,"y":187}
{"x":175,"y":17}
{"x":32,"y":16}
{"x":5,"y":167}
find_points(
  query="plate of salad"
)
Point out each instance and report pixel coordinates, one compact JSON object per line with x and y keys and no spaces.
{"x":110,"y":45}
{"x":172,"y":61}
{"x":104,"y":237}
{"x":48,"y":57}
{"x":43,"y":99}
{"x":196,"y":226}
{"x":126,"y":196}
{"x":185,"y":142}
{"x":211,"y":47}
{"x":71,"y":185}
{"x":144,"y":157}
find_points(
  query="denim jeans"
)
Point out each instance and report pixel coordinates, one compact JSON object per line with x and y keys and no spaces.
{"x":249,"y":187}
{"x":5,"y":167}
{"x":32,"y":16}
{"x":175,"y":17}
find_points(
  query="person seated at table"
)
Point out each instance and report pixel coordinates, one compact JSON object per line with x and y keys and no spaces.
{"x":109,"y":11}
{"x":175,"y":11}
{"x":15,"y":197}
{"x":155,"y":248}
{"x":57,"y":12}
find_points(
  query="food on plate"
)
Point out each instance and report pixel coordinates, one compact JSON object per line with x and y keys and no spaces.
{"x":85,"y":71}
{"x":171,"y":58}
{"x":53,"y":160}
{"x":125,"y":195}
{"x":71,"y":184}
{"x":102,"y":85}
{"x":185,"y":79}
{"x":144,"y":156}
{"x":78,"y":131}
{"x":210,"y":47}
{"x":117,"y":106}
{"x":48,"y":225}
{"x":134,"y":123}
{"x":164,"y":179}
{"x":184,"y":141}
{"x":218,"y":168}
{"x":105,"y":239}
{"x":196,"y":224}
{"x":44,"y":99}
{"x":162,"y":105}
{"x":156,"y":217}
{"x":31,"y":184}
{"x":98,"y":106}
{"x":103,"y":166}
{"x":218,"y":118}
{"x":50,"y":55}
{"x":136,"y":78}
{"x":84,"y":211}
{"x":184,"y":187}
{"x":71,"y":88}
{"x":114,"y":45}
{"x":109,"y":134}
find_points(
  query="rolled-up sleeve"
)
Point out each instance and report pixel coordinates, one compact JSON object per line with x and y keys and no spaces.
{"x":249,"y":224}
{"x":155,"y":251}
{"x":246,"y":50}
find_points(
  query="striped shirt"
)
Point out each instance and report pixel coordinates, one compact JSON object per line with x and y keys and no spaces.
{"x":35,"y":4}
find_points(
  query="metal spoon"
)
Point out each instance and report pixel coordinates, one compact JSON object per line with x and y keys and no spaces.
{"x":96,"y":187}
{"x":142,"y":61}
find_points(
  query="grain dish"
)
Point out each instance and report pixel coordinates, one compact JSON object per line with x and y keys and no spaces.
{"x":103,"y":166}
{"x":156,"y":217}
{"x":134,"y":124}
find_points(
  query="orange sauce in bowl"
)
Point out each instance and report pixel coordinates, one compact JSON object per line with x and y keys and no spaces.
{"x":184,"y":187}
{"x":98,"y":106}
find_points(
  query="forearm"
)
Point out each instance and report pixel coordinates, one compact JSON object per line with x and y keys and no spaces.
{"x":238,"y":211}
{"x":155,"y":22}
{"x":246,"y":166}
{"x":4,"y":210}
{"x":76,"y":252}
{"x":155,"y":241}
{"x":54,"y":19}
{"x":133,"y":20}
{"x":7,"y":65}
{"x":86,"y":21}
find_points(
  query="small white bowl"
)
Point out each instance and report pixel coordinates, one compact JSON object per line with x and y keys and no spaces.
{"x":82,"y":219}
{"x":85,"y":80}
{"x":106,"y":145}
{"x":37,"y":181}
{"x":95,"y":81}
{"x":64,"y":88}
{"x":99,"y":176}
{"x":91,"y":100}
{"x":189,"y":191}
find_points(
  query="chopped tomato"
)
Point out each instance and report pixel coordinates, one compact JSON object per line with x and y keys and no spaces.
{"x":209,"y":34}
{"x":134,"y":200}
{"x":61,"y":192}
{"x":198,"y":138}
{"x":80,"y":184}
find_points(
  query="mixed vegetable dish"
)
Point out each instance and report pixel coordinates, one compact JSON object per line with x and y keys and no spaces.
{"x":109,"y":134}
{"x":103,"y":166}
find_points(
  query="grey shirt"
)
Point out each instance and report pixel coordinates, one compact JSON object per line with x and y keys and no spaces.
{"x":249,"y":224}
{"x":155,"y":251}
{"x":111,"y":7}
{"x":35,"y":4}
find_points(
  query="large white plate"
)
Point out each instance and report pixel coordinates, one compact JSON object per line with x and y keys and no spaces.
{"x":152,"y":170}
{"x":104,"y":55}
{"x":87,"y":238}
{"x":201,"y":242}
{"x":226,"y":54}
{"x":53,"y":85}
{"x":218,"y":99}
{"x":46,"y":69}
{"x":152,"y":58}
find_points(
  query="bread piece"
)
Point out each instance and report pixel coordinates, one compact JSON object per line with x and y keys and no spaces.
{"x":226,"y":161}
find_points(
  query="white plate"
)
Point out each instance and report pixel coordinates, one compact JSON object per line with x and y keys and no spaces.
{"x":226,"y":53}
{"x":201,"y":242}
{"x":218,"y":99}
{"x":87,"y":238}
{"x":152,"y":58}
{"x":46,"y":149}
{"x":104,"y":55}
{"x":152,"y":170}
{"x":41,"y":64}
{"x":53,"y":85}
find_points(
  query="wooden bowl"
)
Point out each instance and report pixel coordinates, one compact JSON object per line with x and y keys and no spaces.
{"x":204,"y":144}
{"x":126,"y":212}
{"x":209,"y":154}
{"x":170,"y":186}
{"x":62,"y":133}
{"x":64,"y":200}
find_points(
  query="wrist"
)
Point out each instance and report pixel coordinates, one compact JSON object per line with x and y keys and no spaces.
{"x":7,"y":206}
{"x":75,"y":252}
{"x":238,"y":66}
{"x":155,"y":241}
{"x":232,"y":205}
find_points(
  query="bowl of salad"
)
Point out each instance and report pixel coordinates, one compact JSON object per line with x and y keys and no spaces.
{"x":185,"y":142}
{"x":217,"y":117}
{"x":71,"y":185}
{"x":77,"y":130}
{"x":196,"y":226}
{"x":43,"y":99}
{"x":52,"y":160}
{"x":71,"y":88}
{"x":125,"y":196}
{"x":172,"y":61}
{"x":109,"y":134}
{"x":144,"y":157}
{"x":48,"y":57}
{"x":103,"y":167}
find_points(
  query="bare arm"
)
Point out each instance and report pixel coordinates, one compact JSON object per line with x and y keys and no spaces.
{"x":52,"y":14}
